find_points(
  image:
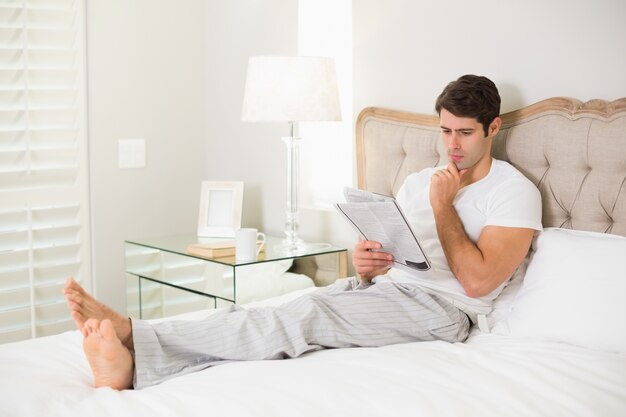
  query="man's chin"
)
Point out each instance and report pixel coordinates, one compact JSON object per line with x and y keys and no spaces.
{"x":460,"y":164}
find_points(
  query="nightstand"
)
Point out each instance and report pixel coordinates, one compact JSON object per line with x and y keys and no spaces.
{"x":164,"y":280}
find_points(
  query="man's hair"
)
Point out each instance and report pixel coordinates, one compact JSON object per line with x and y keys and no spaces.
{"x":471,"y":96}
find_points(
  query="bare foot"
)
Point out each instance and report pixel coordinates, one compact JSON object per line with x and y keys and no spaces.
{"x":83,"y":306}
{"x":111,"y":362}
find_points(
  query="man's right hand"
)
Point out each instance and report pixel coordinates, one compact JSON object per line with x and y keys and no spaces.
{"x":368,"y":263}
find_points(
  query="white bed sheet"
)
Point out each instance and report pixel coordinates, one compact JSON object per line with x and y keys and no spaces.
{"x":489,"y":375}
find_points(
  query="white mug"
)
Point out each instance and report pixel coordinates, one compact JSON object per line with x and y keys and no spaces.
{"x":246,"y":246}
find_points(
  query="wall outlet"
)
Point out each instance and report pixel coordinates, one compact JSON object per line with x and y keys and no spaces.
{"x":131,"y":153}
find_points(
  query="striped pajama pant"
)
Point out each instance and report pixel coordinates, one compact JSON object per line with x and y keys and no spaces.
{"x":345,"y":314}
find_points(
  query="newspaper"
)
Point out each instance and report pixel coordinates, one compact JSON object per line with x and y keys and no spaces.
{"x":379,"y":218}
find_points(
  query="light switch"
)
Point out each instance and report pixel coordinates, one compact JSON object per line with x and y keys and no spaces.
{"x":131,"y":153}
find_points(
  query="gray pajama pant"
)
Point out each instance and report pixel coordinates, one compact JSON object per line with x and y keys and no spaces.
{"x":345,"y":314}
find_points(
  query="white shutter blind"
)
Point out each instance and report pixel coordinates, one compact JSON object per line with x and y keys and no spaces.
{"x":44,"y":217}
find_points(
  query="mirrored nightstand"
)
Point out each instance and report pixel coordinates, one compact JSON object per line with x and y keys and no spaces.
{"x":164,"y":280}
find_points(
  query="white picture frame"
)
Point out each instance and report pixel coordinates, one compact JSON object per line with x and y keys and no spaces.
{"x":220,"y":208}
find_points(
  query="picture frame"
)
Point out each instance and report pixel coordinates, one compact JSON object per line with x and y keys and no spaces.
{"x":220,"y":208}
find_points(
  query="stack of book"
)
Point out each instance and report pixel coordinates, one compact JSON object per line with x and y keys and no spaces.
{"x":217,"y":249}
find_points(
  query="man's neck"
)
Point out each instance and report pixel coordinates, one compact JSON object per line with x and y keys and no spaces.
{"x":478,"y":171}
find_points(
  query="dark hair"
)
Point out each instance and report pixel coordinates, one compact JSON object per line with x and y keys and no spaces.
{"x":471,"y":96}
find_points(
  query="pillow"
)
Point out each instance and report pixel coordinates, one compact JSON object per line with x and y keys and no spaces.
{"x":265,"y":280}
{"x":264,"y":287}
{"x":574,"y":290}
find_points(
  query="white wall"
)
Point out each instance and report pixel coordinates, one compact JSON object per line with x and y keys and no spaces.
{"x":250,"y":152}
{"x":406,"y":51}
{"x":172,"y":73}
{"x":147,"y":78}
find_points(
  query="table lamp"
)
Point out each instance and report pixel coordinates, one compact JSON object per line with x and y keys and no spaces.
{"x":291,"y":89}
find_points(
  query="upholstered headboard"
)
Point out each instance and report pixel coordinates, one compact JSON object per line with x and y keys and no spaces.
{"x":574,"y":152}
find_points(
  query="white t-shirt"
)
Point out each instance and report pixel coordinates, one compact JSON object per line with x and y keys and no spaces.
{"x":504,"y":197}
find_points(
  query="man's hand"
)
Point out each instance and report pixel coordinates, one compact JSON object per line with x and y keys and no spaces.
{"x":369,"y":264}
{"x":444,"y":185}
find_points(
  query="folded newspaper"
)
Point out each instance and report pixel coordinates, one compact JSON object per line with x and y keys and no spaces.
{"x":379,"y":218}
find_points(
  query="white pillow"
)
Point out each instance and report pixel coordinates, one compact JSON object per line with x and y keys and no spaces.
{"x":261,"y":288}
{"x":265,"y":280}
{"x":574,"y":291}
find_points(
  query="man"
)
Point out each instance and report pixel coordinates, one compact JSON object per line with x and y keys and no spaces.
{"x":475,"y":218}
{"x":478,"y":218}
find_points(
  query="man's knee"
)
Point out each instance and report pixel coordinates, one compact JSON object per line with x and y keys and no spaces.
{"x":456,"y":331}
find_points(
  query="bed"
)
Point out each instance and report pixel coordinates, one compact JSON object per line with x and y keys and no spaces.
{"x":554,"y":345}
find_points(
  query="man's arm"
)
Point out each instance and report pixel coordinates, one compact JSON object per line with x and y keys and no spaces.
{"x":480,"y":267}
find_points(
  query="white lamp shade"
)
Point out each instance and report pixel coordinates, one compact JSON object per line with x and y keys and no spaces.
{"x":291,"y":89}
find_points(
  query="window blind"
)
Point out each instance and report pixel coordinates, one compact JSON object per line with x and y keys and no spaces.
{"x":44,"y":211}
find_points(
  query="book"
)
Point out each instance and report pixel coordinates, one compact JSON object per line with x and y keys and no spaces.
{"x":217,"y":249}
{"x":380,"y":218}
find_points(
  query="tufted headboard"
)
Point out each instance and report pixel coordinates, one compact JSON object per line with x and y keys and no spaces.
{"x":574,"y":152}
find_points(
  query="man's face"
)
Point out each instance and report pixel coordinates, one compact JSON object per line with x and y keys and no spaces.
{"x":464,"y":139}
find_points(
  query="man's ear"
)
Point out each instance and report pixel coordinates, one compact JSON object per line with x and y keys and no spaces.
{"x":494,"y":127}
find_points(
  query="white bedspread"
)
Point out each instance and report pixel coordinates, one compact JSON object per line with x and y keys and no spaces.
{"x":489,"y":375}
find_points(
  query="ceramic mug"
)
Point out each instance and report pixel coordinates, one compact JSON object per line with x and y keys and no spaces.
{"x":247,"y":246}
